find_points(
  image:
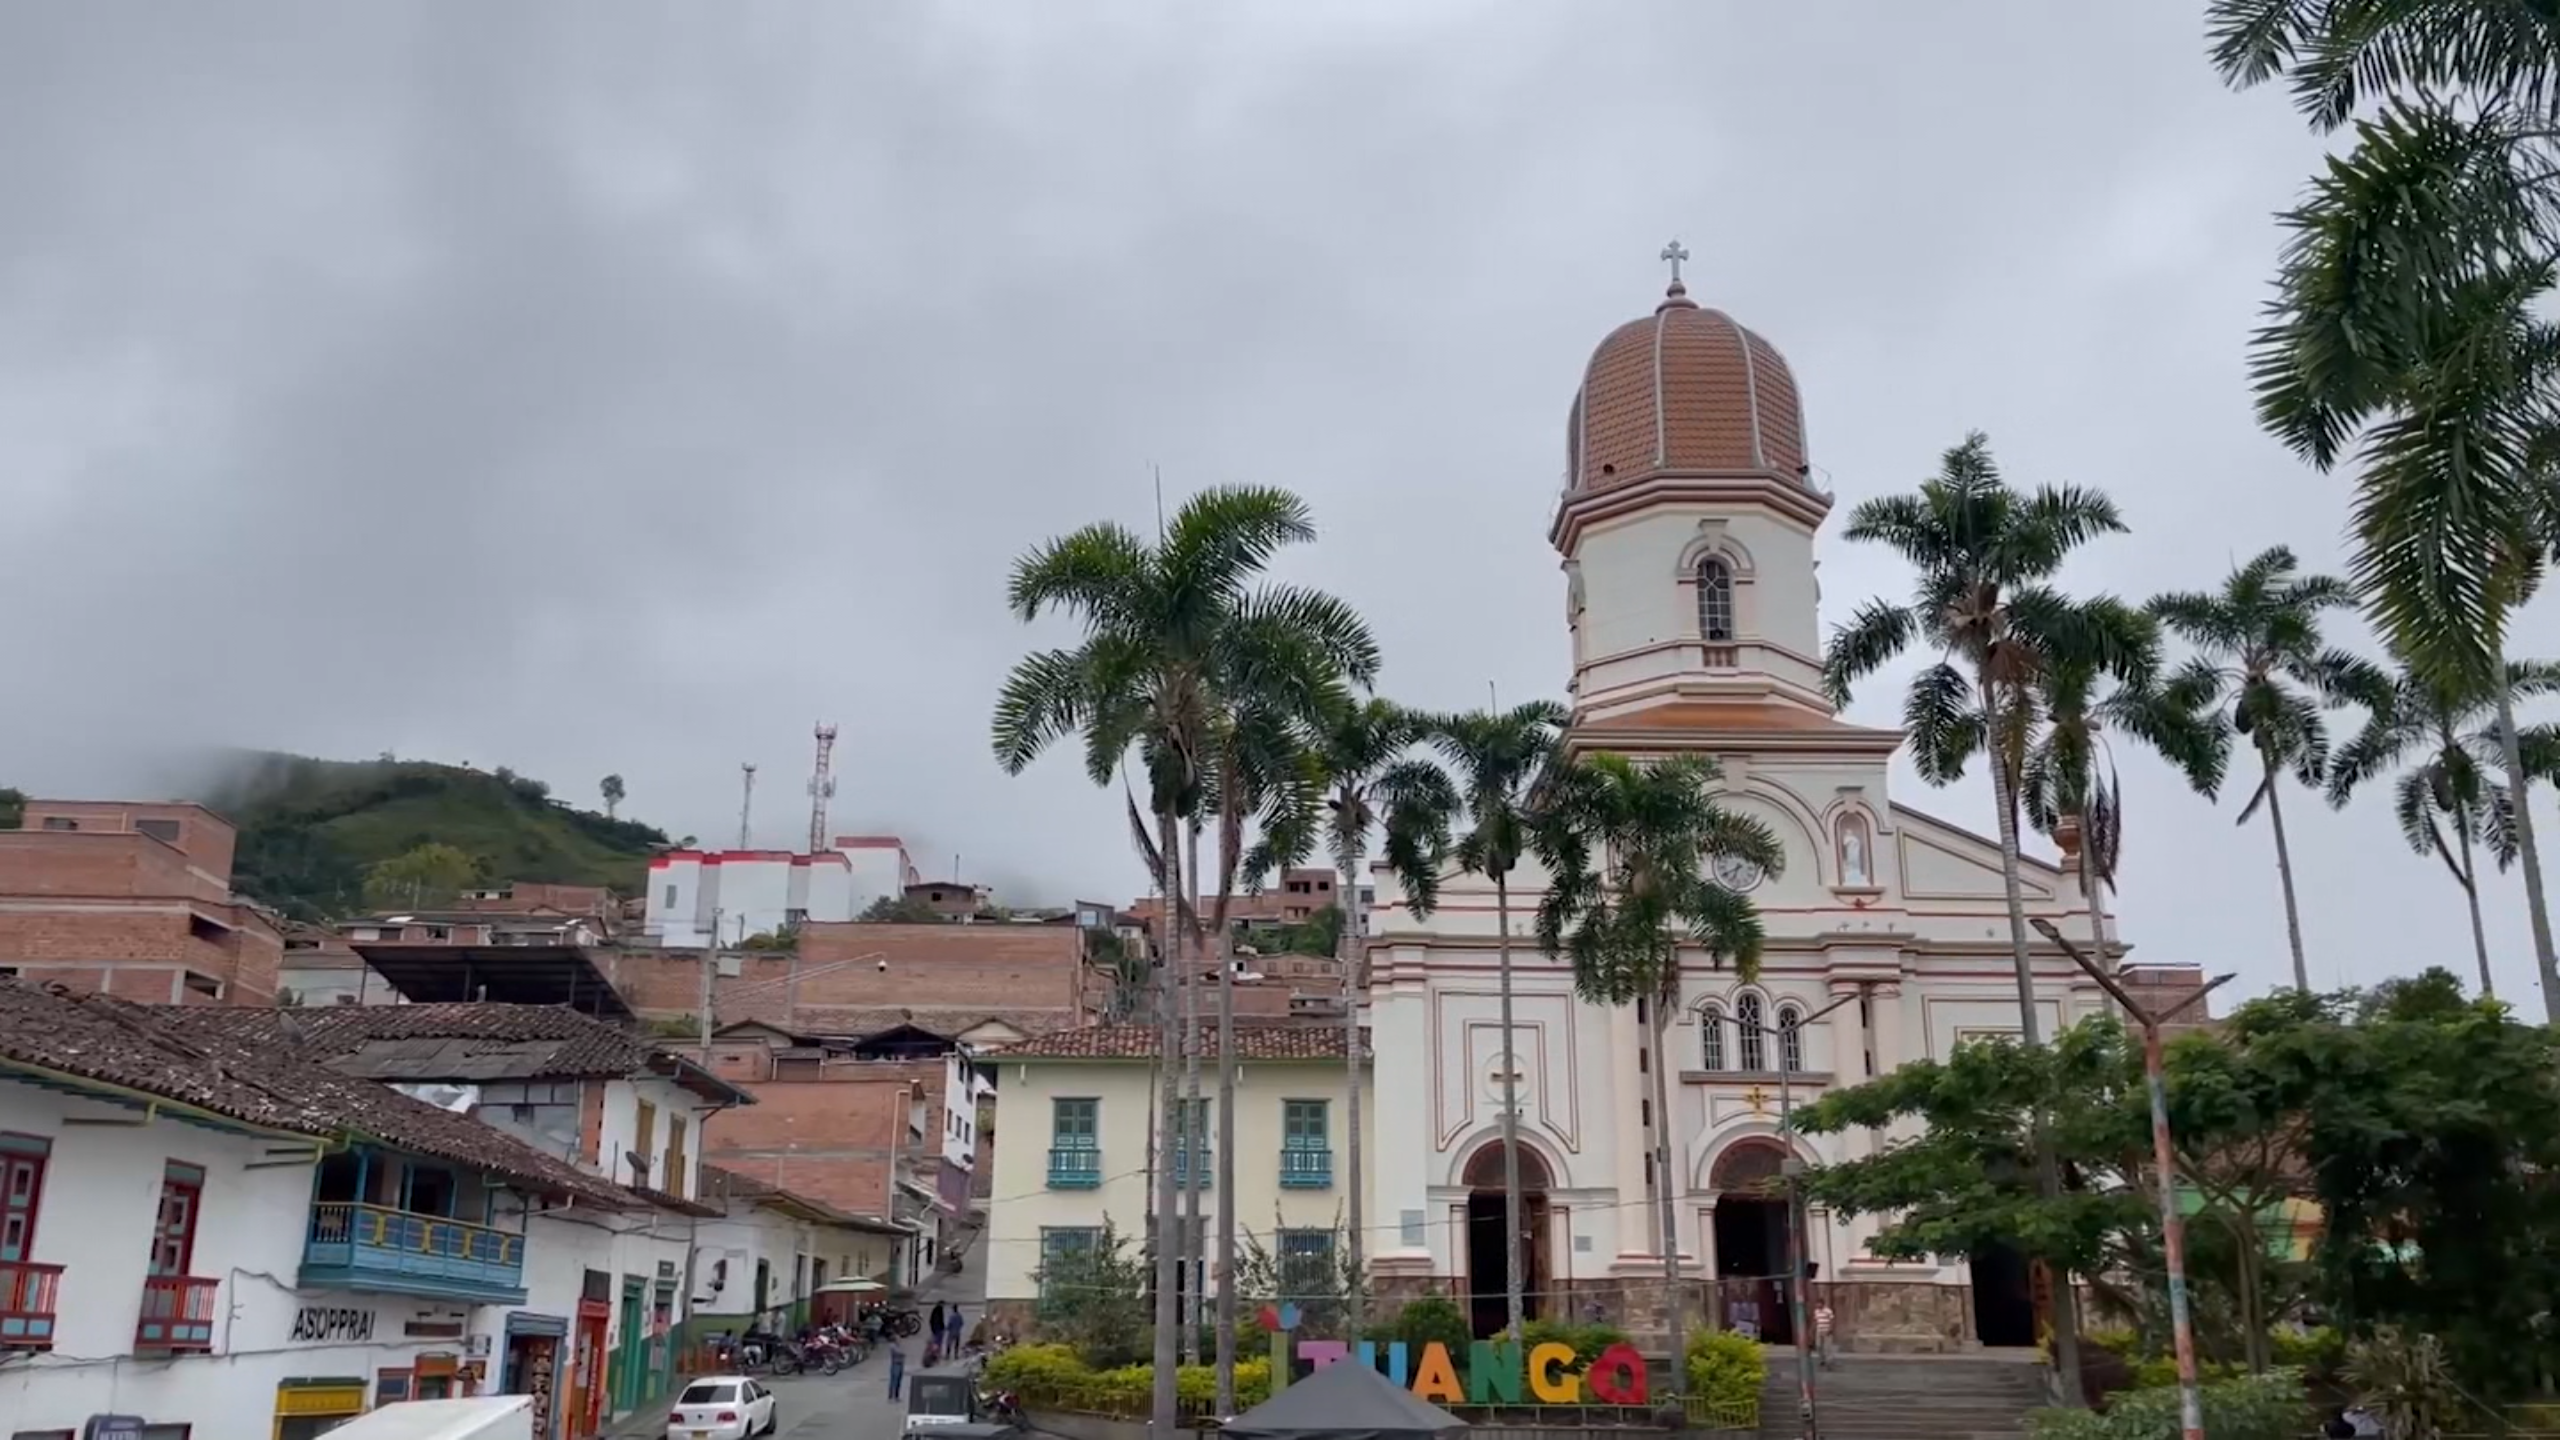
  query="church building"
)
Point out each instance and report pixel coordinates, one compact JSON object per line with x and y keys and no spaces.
{"x":1687,"y":532}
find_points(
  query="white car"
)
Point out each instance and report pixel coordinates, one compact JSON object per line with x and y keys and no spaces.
{"x":722,"y":1407}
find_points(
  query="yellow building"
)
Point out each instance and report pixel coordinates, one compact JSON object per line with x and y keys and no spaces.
{"x":1072,"y":1151}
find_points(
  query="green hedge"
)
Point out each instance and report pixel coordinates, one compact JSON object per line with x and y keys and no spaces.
{"x":2272,"y":1406}
{"x":1050,"y":1377}
{"x":1726,"y":1371}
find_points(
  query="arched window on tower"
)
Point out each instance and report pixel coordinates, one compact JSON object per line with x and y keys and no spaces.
{"x":1711,"y":1036}
{"x":1790,"y":1038}
{"x":1715,"y":600}
{"x":1747,"y":1025}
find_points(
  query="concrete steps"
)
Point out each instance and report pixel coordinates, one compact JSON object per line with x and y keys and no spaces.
{"x":1906,"y":1397}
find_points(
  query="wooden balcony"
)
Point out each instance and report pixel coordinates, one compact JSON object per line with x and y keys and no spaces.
{"x":377,"y":1248}
{"x":177,"y":1313}
{"x":27,"y":1298}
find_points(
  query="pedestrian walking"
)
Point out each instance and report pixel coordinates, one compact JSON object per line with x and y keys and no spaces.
{"x":897,"y":1367}
{"x":1822,"y":1341}
{"x":959,"y":1328}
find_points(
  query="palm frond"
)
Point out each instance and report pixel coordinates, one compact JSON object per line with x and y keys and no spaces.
{"x":1945,"y":725}
{"x":1877,"y":631}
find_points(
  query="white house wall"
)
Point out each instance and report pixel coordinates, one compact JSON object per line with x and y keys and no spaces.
{"x":1024,"y":1204}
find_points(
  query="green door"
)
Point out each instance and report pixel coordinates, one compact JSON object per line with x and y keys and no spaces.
{"x":631,"y":1360}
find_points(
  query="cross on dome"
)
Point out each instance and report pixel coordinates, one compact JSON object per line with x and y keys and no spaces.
{"x":1675,"y":252}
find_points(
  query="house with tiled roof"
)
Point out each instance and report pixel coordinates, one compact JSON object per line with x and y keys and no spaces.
{"x":601,"y":1099}
{"x":773,"y":1250}
{"x":198,"y":1217}
{"x":1073,"y":1152}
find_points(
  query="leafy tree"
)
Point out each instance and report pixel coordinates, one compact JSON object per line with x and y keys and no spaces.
{"x":1322,"y":1285}
{"x":1987,"y":555}
{"x":421,"y":877}
{"x":1177,"y":635}
{"x":1966,"y":1181}
{"x":1094,"y":1297}
{"x":1496,"y":760}
{"x":902,"y":910}
{"x":613,"y":793}
{"x":2430,"y":1134}
{"x":1625,"y":846}
{"x":1370,"y":778}
{"x":2452,"y":798}
{"x":13,"y":807}
{"x":2070,"y":774}
{"x":2407,"y":334}
{"x":2261,"y":656}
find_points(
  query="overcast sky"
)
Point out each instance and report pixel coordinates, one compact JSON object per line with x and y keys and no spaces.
{"x":624,"y":387}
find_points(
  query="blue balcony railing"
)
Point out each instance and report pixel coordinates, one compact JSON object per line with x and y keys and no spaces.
{"x":1194,"y":1170}
{"x":1074,"y":1167}
{"x":1303,"y":1169}
{"x":374,"y":1247}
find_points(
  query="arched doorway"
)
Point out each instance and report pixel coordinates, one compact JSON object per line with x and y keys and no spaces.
{"x":1488,"y":1297}
{"x":1753,"y":1258}
{"x":2004,"y":1296}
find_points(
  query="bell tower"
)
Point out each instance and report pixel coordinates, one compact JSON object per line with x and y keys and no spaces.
{"x":1688,"y":520}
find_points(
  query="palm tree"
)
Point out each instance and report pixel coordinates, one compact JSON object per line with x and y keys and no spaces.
{"x":2260,"y":654}
{"x":2070,"y":772}
{"x":1626,"y":847}
{"x":1264,"y":770}
{"x":2451,"y":799}
{"x":1372,"y":778}
{"x":2404,"y":334}
{"x":1500,"y":758}
{"x":1986,"y":556}
{"x":1176,"y":634}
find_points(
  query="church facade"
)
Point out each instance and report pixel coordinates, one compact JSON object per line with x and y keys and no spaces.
{"x":1687,"y":532}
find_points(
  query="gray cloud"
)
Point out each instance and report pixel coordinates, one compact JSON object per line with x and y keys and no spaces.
{"x":589,"y":388}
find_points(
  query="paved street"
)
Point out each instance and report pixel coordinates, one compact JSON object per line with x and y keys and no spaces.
{"x":855,"y":1405}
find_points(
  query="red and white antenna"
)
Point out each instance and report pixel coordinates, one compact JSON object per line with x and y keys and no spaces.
{"x":822,"y":788}
{"x":746,"y":805}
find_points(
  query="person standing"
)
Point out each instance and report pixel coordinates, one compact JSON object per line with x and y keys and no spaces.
{"x":897,"y":1366}
{"x":959,"y":1328}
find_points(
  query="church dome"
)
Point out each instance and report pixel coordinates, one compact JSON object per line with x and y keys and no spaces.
{"x":1683,"y":390}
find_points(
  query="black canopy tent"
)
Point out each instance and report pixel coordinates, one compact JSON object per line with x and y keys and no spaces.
{"x":1345,"y":1401}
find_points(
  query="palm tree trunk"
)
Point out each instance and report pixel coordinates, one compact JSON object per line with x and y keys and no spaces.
{"x":1512,"y":1285}
{"x":1194,"y":1123}
{"x":1168,"y":1263}
{"x":1353,"y":947}
{"x":2470,"y":878}
{"x":2284,"y":871}
{"x":1226,"y":1344}
{"x":1675,"y":1306}
{"x":2066,"y":1323}
{"x":2095,"y":888}
{"x":2528,"y":852}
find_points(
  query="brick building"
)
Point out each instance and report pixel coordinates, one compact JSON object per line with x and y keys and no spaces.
{"x":133,"y":900}
{"x":981,"y":984}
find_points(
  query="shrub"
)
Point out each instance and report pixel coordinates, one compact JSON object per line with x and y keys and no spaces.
{"x":1587,"y":1340}
{"x":2252,"y":1407}
{"x":2318,"y":1351}
{"x":1037,"y":1369}
{"x":1725,"y":1369}
{"x":1422,"y":1321}
{"x":2162,"y":1370}
{"x":1052,"y":1375}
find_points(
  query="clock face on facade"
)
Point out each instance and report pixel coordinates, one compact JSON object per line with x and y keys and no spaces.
{"x":1737,"y":874}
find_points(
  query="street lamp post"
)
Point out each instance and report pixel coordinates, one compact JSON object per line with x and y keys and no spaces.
{"x":1793,"y":1169}
{"x":2173,"y":1228}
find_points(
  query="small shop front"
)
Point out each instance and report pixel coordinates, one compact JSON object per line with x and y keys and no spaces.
{"x":531,"y":1366}
{"x":309,"y":1407}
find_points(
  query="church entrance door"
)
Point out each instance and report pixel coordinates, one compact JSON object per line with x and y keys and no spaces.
{"x":2004,"y":1304}
{"x":1488,"y":1282}
{"x":1754,"y":1263}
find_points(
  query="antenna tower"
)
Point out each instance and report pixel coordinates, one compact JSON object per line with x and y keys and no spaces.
{"x":822,"y":788}
{"x":746,"y":805}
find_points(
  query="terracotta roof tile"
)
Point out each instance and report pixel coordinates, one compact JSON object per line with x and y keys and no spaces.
{"x":487,"y":1041}
{"x":1138,"y":1042}
{"x":1684,"y":389}
{"x":250,"y":1078}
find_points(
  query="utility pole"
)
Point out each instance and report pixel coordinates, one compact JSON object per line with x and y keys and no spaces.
{"x":2173,"y":1226}
{"x":710,"y":967}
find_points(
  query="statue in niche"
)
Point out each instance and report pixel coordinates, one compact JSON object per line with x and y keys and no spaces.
{"x":1853,"y":854}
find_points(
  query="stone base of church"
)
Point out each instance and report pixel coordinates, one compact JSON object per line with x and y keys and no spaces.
{"x":1897,"y":1317}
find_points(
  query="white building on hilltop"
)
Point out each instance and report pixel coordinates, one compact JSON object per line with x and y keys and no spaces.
{"x":1687,"y":534}
{"x":761,"y":892}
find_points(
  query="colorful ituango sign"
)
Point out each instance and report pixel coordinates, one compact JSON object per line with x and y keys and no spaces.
{"x":1497,"y":1372}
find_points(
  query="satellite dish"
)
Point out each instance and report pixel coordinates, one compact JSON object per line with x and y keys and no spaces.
{"x":639,"y":1164}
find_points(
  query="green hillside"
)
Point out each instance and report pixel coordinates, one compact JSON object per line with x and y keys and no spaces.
{"x":309,"y":829}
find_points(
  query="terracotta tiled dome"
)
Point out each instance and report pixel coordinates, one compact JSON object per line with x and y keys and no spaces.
{"x":1685,"y":390}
